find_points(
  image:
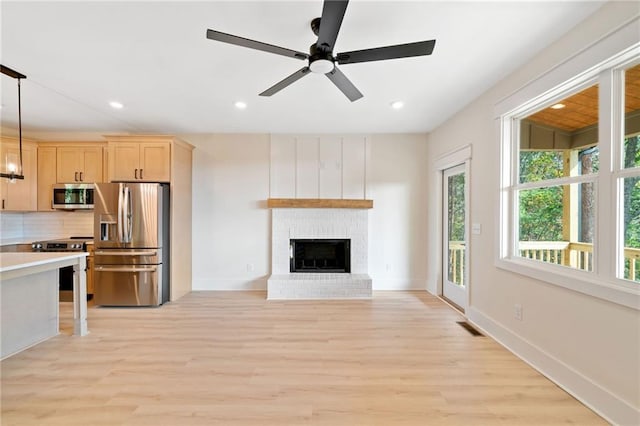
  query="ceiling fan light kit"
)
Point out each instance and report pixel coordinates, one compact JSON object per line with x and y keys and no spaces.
{"x":321,"y":59}
{"x":321,"y":66}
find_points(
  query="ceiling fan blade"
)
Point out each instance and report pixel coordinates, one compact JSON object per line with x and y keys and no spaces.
{"x":330,"y":22}
{"x":343,"y":83}
{"x":252,"y":44}
{"x":420,"y":48}
{"x":286,"y":82}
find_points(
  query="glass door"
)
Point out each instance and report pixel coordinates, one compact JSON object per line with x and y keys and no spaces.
{"x":454,"y":236}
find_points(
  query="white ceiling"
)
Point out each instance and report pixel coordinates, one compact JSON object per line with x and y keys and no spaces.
{"x":155,"y":59}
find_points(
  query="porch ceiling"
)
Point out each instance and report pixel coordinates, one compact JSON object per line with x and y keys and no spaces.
{"x":581,"y":109}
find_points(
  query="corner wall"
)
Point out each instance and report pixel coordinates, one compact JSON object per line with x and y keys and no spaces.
{"x":588,"y":346}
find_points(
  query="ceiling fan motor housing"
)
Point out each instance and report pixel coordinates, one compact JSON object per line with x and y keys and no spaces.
{"x":320,"y":61}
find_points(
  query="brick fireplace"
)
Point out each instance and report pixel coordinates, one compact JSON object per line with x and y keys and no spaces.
{"x":319,"y":224}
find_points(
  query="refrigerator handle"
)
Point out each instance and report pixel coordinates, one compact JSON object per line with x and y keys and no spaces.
{"x":120,"y":215}
{"x":125,"y":253}
{"x":129,"y":214}
{"x":125,"y":269}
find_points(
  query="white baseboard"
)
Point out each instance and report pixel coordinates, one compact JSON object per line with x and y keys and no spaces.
{"x":261,"y":284}
{"x":391,"y":284}
{"x":229,"y":284}
{"x":602,"y":401}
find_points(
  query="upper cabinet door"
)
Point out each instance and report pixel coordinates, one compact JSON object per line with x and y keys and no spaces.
{"x":79,"y":164}
{"x":139,"y":161}
{"x":69,"y":164}
{"x":124,"y":160}
{"x":20,"y":194}
{"x":155,"y":162}
{"x":47,"y":176}
{"x":92,"y":161}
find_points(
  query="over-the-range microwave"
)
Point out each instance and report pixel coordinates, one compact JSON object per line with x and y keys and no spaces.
{"x":73,"y":196}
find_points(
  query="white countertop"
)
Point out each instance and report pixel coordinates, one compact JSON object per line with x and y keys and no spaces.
{"x":13,"y":261}
{"x":11,"y":241}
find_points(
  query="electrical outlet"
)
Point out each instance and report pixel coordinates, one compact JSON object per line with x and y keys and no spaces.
{"x":517,"y":311}
{"x":249,"y":267}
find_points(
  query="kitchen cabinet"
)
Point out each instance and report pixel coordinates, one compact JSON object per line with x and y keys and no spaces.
{"x":79,"y":164}
{"x":18,"y":194}
{"x":89,"y":270}
{"x":46,"y":176}
{"x":140,"y":161}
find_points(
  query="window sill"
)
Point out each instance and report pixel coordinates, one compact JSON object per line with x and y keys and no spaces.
{"x":619,"y":292}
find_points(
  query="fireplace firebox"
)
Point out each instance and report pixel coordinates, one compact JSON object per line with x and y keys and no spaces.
{"x":320,"y":255}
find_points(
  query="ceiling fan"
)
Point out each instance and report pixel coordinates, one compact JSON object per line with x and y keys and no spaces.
{"x":321,"y":59}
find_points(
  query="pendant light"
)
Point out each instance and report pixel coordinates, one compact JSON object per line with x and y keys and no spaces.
{"x":18,"y":76}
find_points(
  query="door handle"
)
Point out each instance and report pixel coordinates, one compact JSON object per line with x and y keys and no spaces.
{"x":136,"y":173}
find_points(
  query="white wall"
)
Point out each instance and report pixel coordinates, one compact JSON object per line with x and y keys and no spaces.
{"x":589,"y":346}
{"x":397,"y":184}
{"x":231,"y":224}
{"x":231,"y":186}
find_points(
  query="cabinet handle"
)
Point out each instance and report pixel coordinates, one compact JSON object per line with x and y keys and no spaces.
{"x":3,"y":204}
{"x":136,"y":173}
{"x":141,"y":174}
{"x":81,"y":176}
{"x":75,"y":176}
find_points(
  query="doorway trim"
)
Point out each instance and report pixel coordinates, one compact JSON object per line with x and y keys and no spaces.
{"x":459,"y":156}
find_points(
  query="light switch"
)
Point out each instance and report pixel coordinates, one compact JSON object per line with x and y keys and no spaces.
{"x":476,"y":229}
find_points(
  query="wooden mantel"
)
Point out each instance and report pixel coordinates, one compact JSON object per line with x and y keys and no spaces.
{"x":318,"y":203}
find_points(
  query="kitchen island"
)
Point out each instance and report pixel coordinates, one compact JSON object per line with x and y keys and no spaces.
{"x":29,"y":305}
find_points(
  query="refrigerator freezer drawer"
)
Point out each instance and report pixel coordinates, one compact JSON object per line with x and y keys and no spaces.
{"x":128,"y":285}
{"x":128,"y":257}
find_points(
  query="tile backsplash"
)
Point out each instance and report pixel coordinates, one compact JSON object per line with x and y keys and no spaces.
{"x":33,"y":226}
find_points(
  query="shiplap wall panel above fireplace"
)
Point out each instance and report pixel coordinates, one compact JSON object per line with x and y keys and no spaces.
{"x":326,"y":166}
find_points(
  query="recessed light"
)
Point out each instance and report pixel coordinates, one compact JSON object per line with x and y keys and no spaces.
{"x":558,"y":106}
{"x":240,"y":105}
{"x":116,"y":105}
{"x":397,"y":104}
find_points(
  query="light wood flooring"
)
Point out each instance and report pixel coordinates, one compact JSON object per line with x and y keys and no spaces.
{"x":234,"y":358}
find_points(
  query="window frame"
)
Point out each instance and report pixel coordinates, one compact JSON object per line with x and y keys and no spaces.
{"x":608,"y":244}
{"x":619,"y":172}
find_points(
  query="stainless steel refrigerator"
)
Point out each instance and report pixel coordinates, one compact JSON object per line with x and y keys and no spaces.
{"x":131,"y":237}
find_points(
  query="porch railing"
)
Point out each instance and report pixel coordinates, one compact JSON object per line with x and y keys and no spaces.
{"x":573,"y":254}
{"x":576,"y":255}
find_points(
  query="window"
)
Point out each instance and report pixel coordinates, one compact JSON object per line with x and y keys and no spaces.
{"x":629,"y":179}
{"x":557,"y":145}
{"x":570,"y":183}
